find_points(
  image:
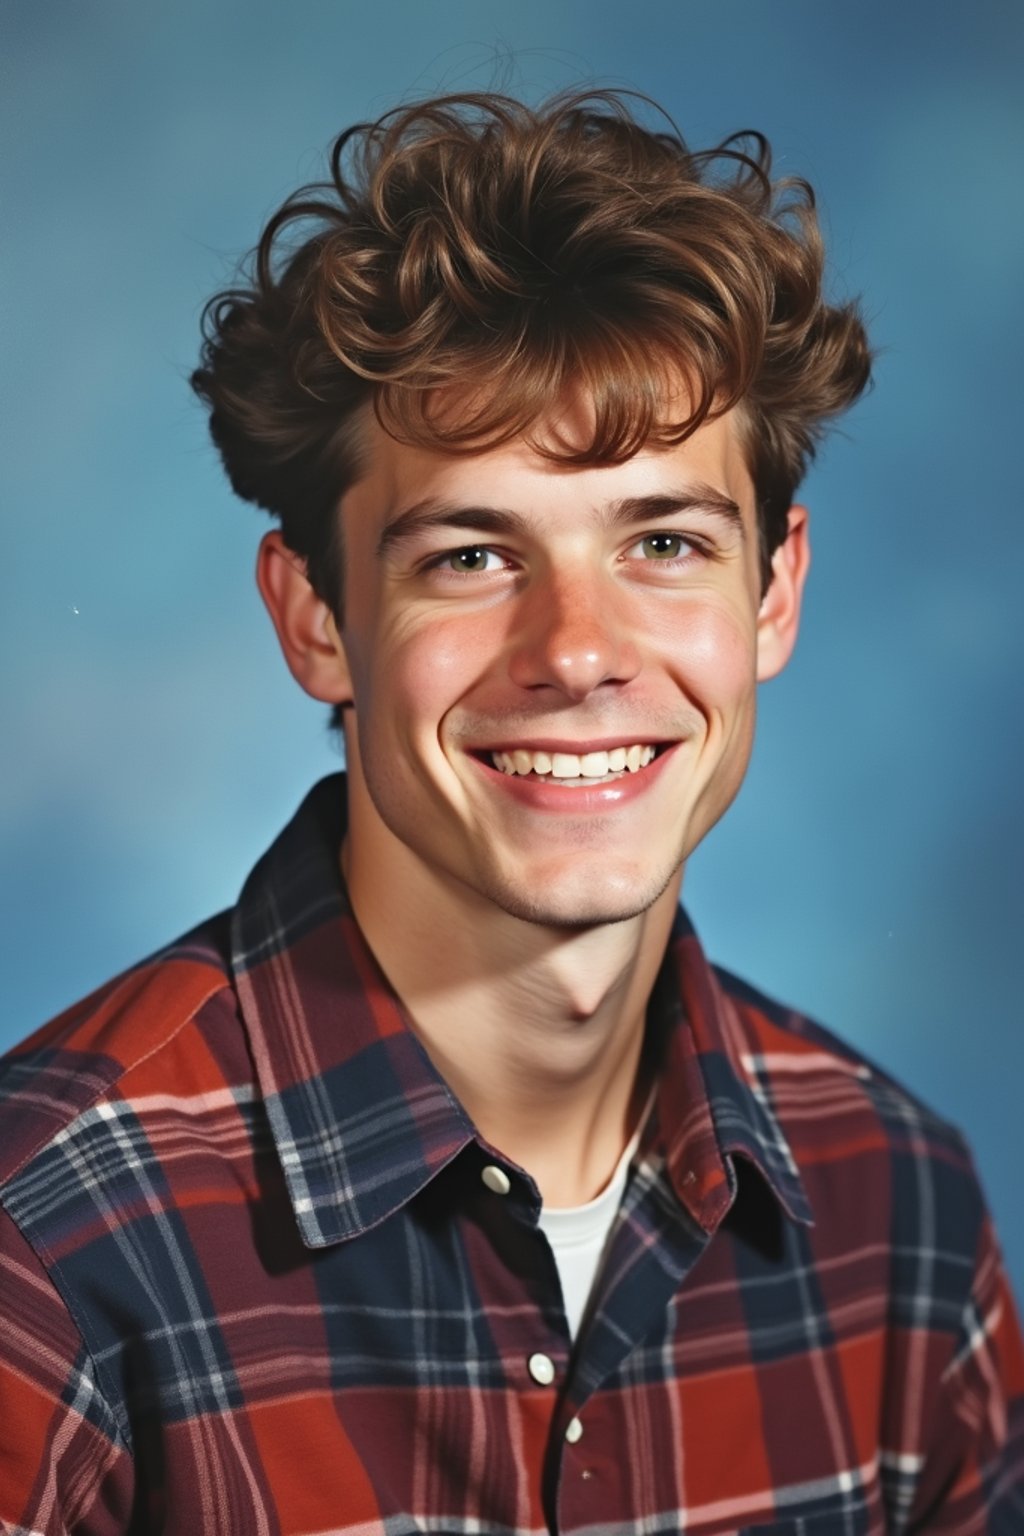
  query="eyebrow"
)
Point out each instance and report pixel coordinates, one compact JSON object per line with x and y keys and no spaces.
{"x":430,"y":513}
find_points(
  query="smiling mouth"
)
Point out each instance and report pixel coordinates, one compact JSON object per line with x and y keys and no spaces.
{"x":570,"y":769}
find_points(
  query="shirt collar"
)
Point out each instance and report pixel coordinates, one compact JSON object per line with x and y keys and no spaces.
{"x":361,"y":1118}
{"x":715,"y":1099}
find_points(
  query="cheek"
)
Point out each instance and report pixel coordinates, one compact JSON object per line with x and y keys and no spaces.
{"x":713,"y":653}
{"x":407,"y":680}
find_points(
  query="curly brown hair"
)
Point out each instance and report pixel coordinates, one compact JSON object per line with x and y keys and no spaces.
{"x":473,"y":239}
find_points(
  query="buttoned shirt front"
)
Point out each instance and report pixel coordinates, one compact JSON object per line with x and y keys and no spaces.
{"x":261,"y":1274}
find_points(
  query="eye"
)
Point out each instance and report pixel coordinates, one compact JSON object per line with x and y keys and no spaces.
{"x":472,"y":559}
{"x":662,"y":546}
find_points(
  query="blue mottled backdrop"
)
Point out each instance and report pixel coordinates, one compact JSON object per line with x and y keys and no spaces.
{"x":152,"y":740}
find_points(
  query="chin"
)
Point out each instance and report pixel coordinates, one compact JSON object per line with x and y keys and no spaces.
{"x":574,"y":907}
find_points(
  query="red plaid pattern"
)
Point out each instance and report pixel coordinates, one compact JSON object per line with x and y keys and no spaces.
{"x":253,"y":1281}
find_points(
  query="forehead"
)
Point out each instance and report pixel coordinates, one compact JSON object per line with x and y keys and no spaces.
{"x":522,"y":473}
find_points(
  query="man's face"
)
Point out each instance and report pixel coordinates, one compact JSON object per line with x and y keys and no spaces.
{"x":553,"y":669}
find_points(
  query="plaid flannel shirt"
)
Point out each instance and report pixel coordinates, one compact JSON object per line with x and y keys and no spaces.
{"x":254,"y":1282}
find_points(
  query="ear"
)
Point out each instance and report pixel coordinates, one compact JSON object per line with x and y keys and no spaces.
{"x":778,"y":619}
{"x":305,"y":625}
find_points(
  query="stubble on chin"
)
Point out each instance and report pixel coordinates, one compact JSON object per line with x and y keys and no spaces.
{"x":573,"y":910}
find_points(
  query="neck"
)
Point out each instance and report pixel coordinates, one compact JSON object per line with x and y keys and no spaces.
{"x":538,"y":1031}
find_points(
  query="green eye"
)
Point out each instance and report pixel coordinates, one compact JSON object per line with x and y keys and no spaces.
{"x":473,"y":558}
{"x":663,"y":546}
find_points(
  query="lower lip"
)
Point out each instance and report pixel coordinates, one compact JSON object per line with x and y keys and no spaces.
{"x":549,"y":795}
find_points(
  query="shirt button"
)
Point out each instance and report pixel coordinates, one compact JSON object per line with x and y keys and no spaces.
{"x":496,"y":1179}
{"x":542,"y":1369}
{"x":573,"y":1431}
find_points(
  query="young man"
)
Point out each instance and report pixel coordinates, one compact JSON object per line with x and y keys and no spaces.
{"x":442,"y":1185}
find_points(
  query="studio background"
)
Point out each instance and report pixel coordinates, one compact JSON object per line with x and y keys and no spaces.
{"x":152,"y":741}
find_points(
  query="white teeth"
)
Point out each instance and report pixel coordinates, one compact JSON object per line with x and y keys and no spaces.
{"x":570,"y":765}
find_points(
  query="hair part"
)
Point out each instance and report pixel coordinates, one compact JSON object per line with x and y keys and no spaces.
{"x":558,"y":248}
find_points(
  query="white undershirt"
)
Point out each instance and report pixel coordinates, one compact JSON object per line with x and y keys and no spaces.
{"x":578,"y":1235}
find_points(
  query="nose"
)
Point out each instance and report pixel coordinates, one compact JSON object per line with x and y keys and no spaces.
{"x":573,"y":635}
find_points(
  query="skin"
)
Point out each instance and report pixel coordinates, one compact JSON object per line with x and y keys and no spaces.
{"x":520,"y":604}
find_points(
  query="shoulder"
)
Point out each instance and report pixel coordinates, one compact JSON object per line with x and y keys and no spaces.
{"x":881,"y":1167}
{"x":60,"y":1072}
{"x":788,"y":1044}
{"x":904,"y":1266}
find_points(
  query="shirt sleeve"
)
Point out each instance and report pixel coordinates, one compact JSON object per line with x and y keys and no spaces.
{"x":64,"y":1466}
{"x":972,"y":1483}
